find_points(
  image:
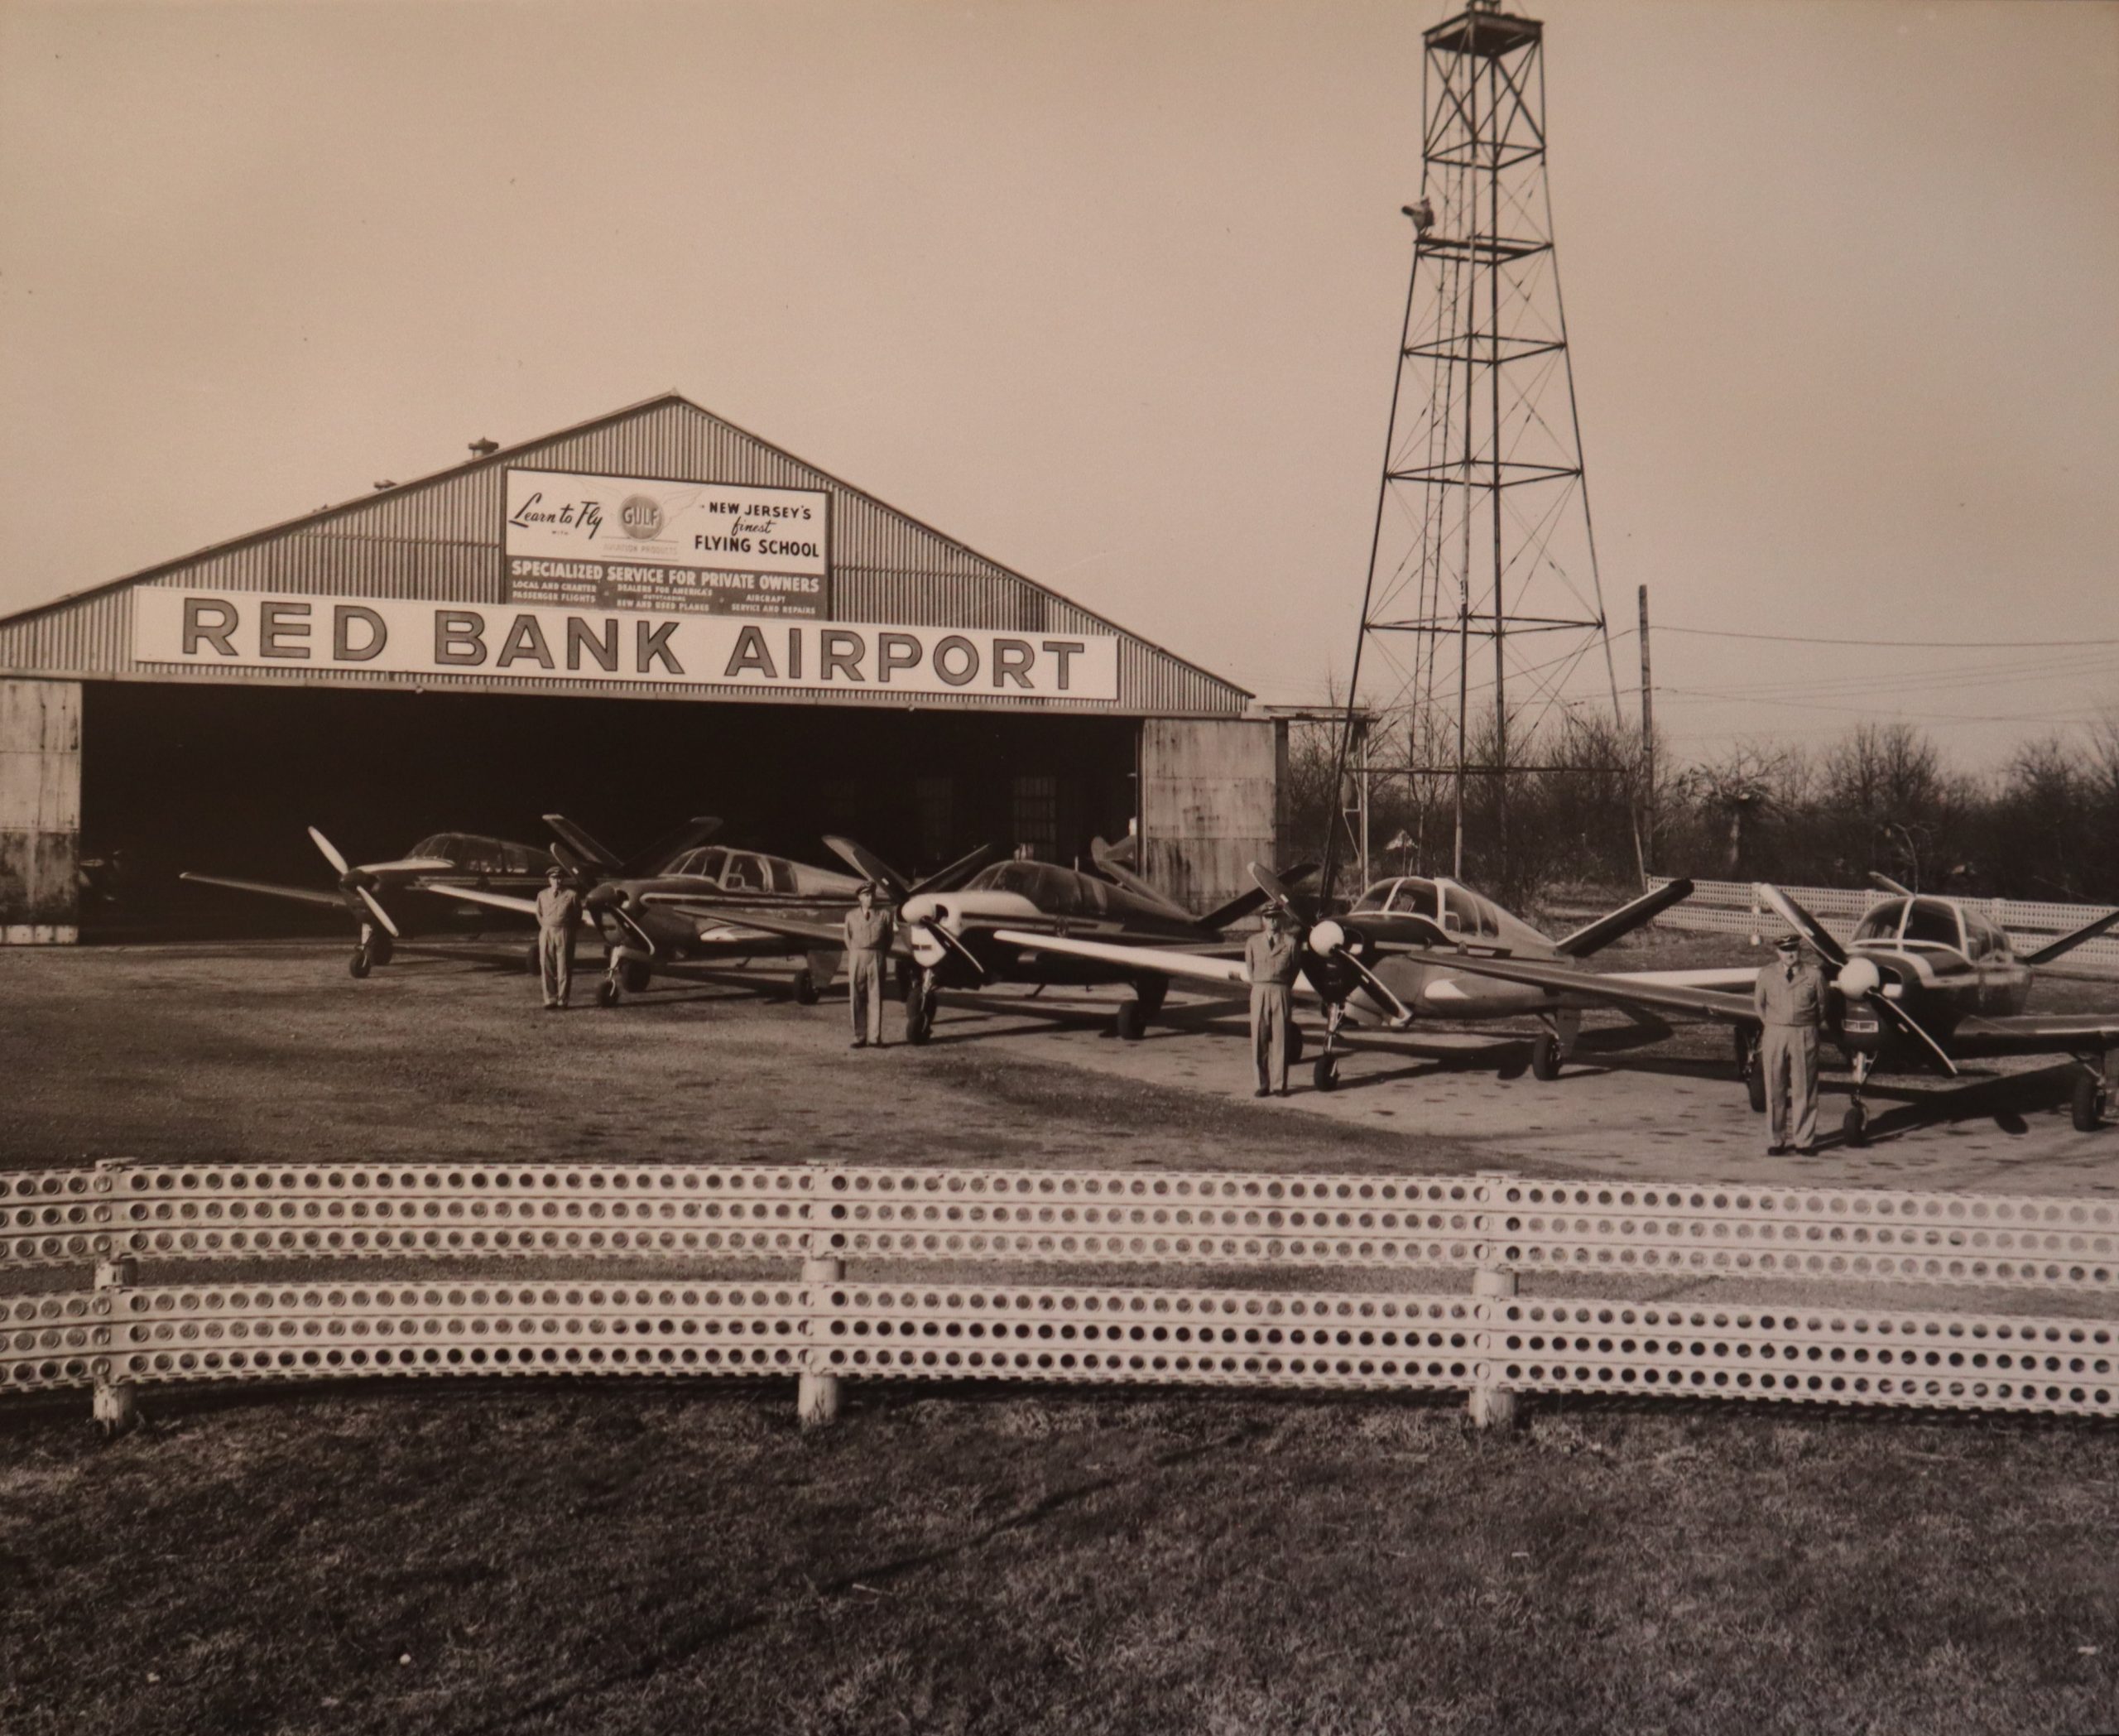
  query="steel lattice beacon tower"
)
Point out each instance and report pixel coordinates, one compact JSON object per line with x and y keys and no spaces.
{"x":1482,"y":621}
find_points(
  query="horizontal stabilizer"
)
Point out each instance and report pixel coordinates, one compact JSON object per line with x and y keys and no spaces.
{"x":664,"y":851}
{"x":2067,"y":943}
{"x":1623,"y":921}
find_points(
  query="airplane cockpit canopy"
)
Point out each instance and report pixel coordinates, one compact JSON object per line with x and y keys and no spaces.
{"x":1450,"y":907}
{"x":475,"y":855}
{"x":1057,"y":891}
{"x":706,"y":864}
{"x":1918,"y":922}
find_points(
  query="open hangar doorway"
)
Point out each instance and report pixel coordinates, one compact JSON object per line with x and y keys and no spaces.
{"x":224,"y":779}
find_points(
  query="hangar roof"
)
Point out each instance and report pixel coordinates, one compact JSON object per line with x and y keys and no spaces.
{"x":438,"y":540}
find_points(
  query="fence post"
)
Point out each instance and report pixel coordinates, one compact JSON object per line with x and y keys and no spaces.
{"x":1492,"y":1405}
{"x":816,"y":1400}
{"x":116,"y":1404}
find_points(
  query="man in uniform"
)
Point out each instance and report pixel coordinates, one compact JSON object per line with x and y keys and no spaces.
{"x":1790,"y":1001}
{"x":1270,"y":960}
{"x":559,"y":915}
{"x":868,"y":930}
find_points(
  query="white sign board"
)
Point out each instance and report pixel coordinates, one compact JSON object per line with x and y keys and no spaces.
{"x":201,"y":629}
{"x":680,"y":547}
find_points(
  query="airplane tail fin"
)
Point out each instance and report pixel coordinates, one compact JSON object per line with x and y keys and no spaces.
{"x":1246,"y":904}
{"x":2067,"y":943}
{"x":866,"y":863}
{"x":1111,"y":864}
{"x":580,"y":842}
{"x":949,"y":879}
{"x":1623,"y":921}
{"x":660,"y":854}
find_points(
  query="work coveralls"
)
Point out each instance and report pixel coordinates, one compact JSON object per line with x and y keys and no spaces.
{"x":559,"y":915}
{"x":1270,"y":960}
{"x":867,"y":951}
{"x":1790,"y":1001}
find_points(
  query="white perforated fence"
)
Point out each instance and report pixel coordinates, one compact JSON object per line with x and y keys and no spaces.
{"x":1734,"y":907}
{"x":951,"y":1272}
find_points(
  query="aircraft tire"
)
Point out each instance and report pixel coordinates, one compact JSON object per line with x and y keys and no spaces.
{"x":362,"y":963}
{"x":535,"y":965}
{"x":607,"y":993}
{"x":1294,"y":1045}
{"x":1855,"y":1127}
{"x":919,"y":1014}
{"x":1741,"y":1043}
{"x":1129,"y":1022}
{"x":633,"y":976}
{"x":382,"y":949}
{"x":1545,"y":1059}
{"x":1755,"y":1089}
{"x":1325,"y":1075}
{"x":806,"y":987}
{"x":2089,"y":1103}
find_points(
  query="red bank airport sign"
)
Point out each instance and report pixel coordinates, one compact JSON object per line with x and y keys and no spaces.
{"x":690,"y":548}
{"x":210,"y":629}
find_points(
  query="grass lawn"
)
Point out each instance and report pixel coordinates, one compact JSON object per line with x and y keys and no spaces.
{"x":459,"y":1558}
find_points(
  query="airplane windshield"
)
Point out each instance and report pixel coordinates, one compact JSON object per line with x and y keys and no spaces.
{"x":1019,"y":877}
{"x":1882,"y":923}
{"x":1935,"y":922}
{"x":744,"y":874}
{"x":1414,"y":898}
{"x":437,"y":846}
{"x":1375,"y":897}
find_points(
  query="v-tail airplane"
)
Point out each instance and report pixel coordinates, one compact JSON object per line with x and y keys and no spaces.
{"x":424,"y":891}
{"x":1393,"y":960}
{"x":995,"y":926}
{"x":1924,"y":983}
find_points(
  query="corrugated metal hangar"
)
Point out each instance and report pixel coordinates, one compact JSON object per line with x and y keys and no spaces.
{"x":648,"y":616}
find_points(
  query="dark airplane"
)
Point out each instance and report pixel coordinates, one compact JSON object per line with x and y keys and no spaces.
{"x":995,"y":928}
{"x":428,"y":888}
{"x":1924,"y":983}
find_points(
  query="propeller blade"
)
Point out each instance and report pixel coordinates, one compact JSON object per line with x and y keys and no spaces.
{"x":949,"y":943}
{"x":1400,"y":1014}
{"x":1885,"y":883}
{"x":868,"y":865}
{"x":338,"y":863}
{"x":1271,"y":885}
{"x":409,"y":865}
{"x":640,"y":937}
{"x":950,"y":878}
{"x":1911,"y":1027}
{"x":1805,"y":924}
{"x":376,"y":910}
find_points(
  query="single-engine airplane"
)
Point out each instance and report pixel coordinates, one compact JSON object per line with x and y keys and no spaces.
{"x":1395,"y":958}
{"x":995,"y":926}
{"x":684,"y":902}
{"x":451,"y":868}
{"x":1925,"y":982}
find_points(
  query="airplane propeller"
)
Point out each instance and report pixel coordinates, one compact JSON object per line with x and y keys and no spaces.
{"x":354,"y":883}
{"x":951,"y":944}
{"x":1855,"y":978}
{"x":1327,"y":940}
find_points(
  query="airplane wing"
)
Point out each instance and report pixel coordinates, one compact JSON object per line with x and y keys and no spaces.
{"x":300,"y":894}
{"x":2036,"y":1033}
{"x":1666,"y":991}
{"x":479,"y":895}
{"x":822,"y":935}
{"x":1164,"y":961}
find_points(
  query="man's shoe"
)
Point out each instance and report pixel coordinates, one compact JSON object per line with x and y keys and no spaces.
{"x":1261,"y":1092}
{"x":1776,"y":1150}
{"x":859,"y":1042}
{"x":1284,"y":1090}
{"x":879,"y":1044}
{"x":549,"y":1005}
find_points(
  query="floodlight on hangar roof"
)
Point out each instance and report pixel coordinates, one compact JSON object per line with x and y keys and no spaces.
{"x":438,"y":540}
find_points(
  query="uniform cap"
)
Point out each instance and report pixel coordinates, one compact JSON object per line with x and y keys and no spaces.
{"x":555,"y":873}
{"x":1789,"y":943}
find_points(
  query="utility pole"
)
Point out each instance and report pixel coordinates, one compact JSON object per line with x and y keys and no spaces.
{"x":1647,"y":747}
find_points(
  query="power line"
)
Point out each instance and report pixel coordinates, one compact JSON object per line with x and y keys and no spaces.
{"x":1713,"y":633}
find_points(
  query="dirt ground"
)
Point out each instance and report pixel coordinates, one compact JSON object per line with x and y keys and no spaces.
{"x":269,"y":1051}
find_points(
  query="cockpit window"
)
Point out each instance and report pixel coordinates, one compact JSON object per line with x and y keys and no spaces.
{"x":1020,"y":878}
{"x":1376,"y":896}
{"x":1470,"y":915}
{"x":744,"y":875}
{"x":435,"y":846}
{"x":480,"y":856}
{"x":1414,"y":898}
{"x":1882,"y":923}
{"x":1933,"y":921}
{"x":1983,"y":940}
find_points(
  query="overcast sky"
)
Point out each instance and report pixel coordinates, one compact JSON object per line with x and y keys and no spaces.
{"x":1109,"y":292}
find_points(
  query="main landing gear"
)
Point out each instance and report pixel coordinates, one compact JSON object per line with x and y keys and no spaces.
{"x":1556,"y":1044}
{"x":921,"y":998}
{"x":1130,"y":1024}
{"x":1750,"y":1068}
{"x":805,"y":986}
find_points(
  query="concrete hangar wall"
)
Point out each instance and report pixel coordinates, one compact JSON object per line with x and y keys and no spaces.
{"x":648,"y":616}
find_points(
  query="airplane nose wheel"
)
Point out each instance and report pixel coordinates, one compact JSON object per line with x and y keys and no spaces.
{"x":1545,"y":1058}
{"x":919,"y":1002}
{"x":1129,"y":1023}
{"x":607,"y":992}
{"x":1325,"y":1075}
{"x":361,"y":963}
{"x":1855,"y":1127}
{"x":806,"y":987}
